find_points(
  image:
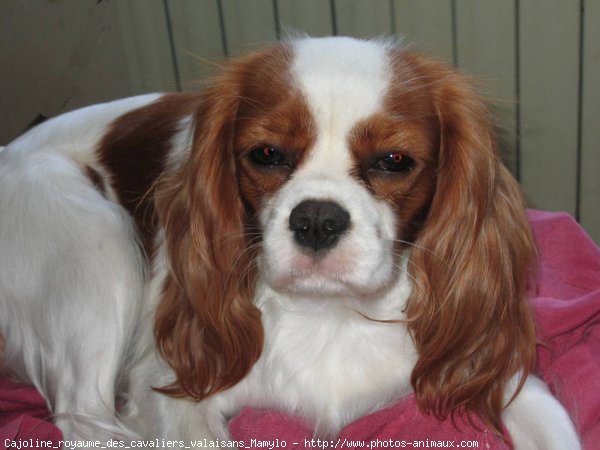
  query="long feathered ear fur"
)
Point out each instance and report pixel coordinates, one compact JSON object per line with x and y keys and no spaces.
{"x":207,"y":327}
{"x":469,"y":315}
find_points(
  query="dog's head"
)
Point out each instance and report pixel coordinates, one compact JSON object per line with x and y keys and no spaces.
{"x":318,"y":163}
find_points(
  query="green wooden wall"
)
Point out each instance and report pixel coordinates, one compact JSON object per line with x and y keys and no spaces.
{"x":538,"y":62}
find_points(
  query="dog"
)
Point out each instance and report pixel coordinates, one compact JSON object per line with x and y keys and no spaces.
{"x":324,"y":229}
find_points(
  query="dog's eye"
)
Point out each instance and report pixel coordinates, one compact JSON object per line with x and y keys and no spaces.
{"x":394,"y":162}
{"x":268,"y":155}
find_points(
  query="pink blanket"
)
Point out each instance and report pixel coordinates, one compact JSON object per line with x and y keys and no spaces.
{"x":567,"y":305}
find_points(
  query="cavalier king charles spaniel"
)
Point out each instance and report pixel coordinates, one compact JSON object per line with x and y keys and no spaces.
{"x":324,"y":229}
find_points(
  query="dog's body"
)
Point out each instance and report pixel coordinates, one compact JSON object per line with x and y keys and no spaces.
{"x":116,"y":216}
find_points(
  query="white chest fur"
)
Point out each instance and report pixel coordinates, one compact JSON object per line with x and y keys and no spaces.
{"x":330,"y":361}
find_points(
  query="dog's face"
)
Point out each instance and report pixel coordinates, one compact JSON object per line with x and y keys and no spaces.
{"x":324,"y":159}
{"x":337,"y":163}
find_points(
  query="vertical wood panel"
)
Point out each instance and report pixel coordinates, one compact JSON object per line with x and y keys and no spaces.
{"x":147,"y":45}
{"x":248,"y":24}
{"x":359,"y":18}
{"x":308,"y":16}
{"x":486,"y":48}
{"x":426,"y":24}
{"x":549,"y":60}
{"x":57,"y":56}
{"x":590,"y":138}
{"x":197,"y":39}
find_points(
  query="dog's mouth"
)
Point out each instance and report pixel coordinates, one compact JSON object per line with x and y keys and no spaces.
{"x":339,"y":272}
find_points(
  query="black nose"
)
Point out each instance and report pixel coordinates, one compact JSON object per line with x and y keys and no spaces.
{"x":318,"y":224}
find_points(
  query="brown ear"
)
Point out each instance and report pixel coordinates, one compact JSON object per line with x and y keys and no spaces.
{"x":469,"y":314}
{"x":207,"y":327}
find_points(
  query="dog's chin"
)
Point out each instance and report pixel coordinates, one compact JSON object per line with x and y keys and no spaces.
{"x":315,"y":286}
{"x":316,"y":282}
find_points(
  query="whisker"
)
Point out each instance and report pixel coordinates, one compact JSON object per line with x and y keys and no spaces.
{"x":249,"y":248}
{"x":420,"y":247}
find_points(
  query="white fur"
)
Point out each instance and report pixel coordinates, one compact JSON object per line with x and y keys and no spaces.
{"x":68,"y":264}
{"x":340,"y":93}
{"x":349,"y":365}
{"x":76,"y":309}
{"x":536,"y":419}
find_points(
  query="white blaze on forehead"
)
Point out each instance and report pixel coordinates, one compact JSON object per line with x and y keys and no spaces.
{"x":344,"y":81}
